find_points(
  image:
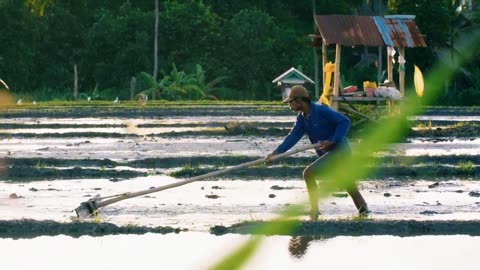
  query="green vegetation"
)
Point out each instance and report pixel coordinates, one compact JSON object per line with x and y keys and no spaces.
{"x":456,"y":130}
{"x":40,"y":165}
{"x":207,"y":49}
{"x":246,"y":42}
{"x":189,"y":171}
{"x":466,"y":167}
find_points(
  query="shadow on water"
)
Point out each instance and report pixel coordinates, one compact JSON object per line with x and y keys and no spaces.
{"x":298,"y":245}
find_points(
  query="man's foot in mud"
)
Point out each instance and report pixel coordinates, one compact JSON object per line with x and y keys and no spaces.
{"x":363,"y":212}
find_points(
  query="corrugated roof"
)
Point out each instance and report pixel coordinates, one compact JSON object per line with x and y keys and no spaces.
{"x":400,"y":31}
{"x":348,"y":30}
{"x":351,"y":30}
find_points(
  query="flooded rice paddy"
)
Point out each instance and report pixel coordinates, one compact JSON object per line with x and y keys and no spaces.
{"x":424,"y":194}
{"x":193,"y":250}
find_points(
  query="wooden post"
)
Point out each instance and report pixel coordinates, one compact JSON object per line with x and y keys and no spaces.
{"x":315,"y":63}
{"x":401,"y":72}
{"x":155,"y":50}
{"x":132,"y":87}
{"x":75,"y":82}
{"x":315,"y":52}
{"x":379,"y":65}
{"x":324,"y":60}
{"x":389,"y":67}
{"x":336,"y":80}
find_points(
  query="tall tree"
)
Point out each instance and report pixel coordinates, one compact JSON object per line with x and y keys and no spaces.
{"x":155,"y":50}
{"x":118,"y":46}
{"x":19,"y":41}
{"x":315,"y":54}
{"x":190,"y":34}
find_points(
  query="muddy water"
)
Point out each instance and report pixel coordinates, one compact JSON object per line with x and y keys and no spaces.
{"x":201,"y":251}
{"x":421,"y":146}
{"x":106,"y":164}
{"x":199,"y":206}
{"x":52,"y":164}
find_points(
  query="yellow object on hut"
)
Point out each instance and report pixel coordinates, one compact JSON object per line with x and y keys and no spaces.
{"x":326,"y":97}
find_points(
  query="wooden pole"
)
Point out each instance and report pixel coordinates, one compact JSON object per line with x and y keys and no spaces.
{"x":324,"y":60}
{"x":155,"y":49}
{"x":97,"y":202}
{"x":380,"y":65}
{"x":401,"y":72}
{"x":315,"y":63}
{"x":389,"y":67}
{"x":336,"y":80}
{"x":132,"y":87}
{"x":315,"y":52}
{"x":75,"y":82}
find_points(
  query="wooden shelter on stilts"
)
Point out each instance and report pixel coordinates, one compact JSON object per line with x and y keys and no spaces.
{"x":394,"y":32}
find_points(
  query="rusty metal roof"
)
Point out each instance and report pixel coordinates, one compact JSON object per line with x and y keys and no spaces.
{"x":400,"y":31}
{"x":348,"y":30}
{"x":351,"y":30}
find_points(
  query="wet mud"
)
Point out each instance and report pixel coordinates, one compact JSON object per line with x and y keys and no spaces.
{"x":39,"y":169}
{"x":27,"y":228}
{"x":451,"y":111}
{"x":464,"y":130}
{"x":247,"y":129}
{"x":67,"y":151}
{"x":29,"y":174}
{"x":361,"y":227}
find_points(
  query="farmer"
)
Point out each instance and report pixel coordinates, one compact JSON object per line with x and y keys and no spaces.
{"x":325,"y":127}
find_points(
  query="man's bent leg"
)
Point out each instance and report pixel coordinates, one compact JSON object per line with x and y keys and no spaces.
{"x":309,"y":175}
{"x":358,"y":200}
{"x":312,"y":195}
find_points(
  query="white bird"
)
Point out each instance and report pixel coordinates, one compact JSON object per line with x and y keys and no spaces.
{"x":89,"y":98}
{"x":19,"y":102}
{"x":116,"y":100}
{"x":34,"y":102}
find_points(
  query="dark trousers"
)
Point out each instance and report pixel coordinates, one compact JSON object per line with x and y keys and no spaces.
{"x":311,"y":173}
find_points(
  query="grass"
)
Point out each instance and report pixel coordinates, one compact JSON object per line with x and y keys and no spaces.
{"x":135,"y":104}
{"x":189,"y":170}
{"x":40,"y":165}
{"x":466,"y":167}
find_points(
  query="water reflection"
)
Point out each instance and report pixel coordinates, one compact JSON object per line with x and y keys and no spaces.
{"x":298,"y":245}
{"x":203,"y":250}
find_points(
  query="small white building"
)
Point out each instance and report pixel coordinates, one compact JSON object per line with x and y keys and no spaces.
{"x":290,"y":78}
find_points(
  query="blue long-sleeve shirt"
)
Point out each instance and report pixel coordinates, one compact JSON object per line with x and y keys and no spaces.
{"x":321,"y":124}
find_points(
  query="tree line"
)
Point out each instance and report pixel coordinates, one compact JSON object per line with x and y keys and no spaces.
{"x":206,"y":49}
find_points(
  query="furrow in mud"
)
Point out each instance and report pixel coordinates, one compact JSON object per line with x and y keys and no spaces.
{"x":28,"y":228}
{"x":436,"y":133}
{"x":225,"y":160}
{"x":407,"y":168}
{"x":332,"y":228}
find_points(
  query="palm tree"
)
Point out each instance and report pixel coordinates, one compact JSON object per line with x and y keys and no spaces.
{"x":207,"y":88}
{"x":180,"y":85}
